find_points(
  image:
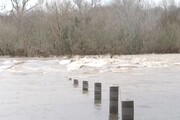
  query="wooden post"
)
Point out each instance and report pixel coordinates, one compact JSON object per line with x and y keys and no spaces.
{"x":127,"y":110}
{"x":97,"y":93}
{"x":114,"y":98}
{"x":76,"y":83}
{"x":85,"y":85}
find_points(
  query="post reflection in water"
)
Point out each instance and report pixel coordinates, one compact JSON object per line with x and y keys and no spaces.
{"x":113,"y":117}
{"x":85,"y":92}
{"x":75,"y":86}
{"x":97,"y":102}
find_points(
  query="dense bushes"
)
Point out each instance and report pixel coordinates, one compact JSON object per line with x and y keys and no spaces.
{"x":83,"y":28}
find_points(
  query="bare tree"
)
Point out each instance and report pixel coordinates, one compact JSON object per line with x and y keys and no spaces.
{"x":79,"y":3}
{"x":84,"y":27}
{"x":20,"y":7}
{"x":2,"y":7}
{"x":94,"y":3}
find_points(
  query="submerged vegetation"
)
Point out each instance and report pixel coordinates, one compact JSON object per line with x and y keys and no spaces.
{"x":77,"y":27}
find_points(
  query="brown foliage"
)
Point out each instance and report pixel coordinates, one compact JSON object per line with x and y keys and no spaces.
{"x":82,"y":28}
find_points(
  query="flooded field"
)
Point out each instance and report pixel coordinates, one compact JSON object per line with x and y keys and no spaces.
{"x":40,"y":89}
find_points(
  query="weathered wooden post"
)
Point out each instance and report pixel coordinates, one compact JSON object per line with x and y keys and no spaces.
{"x":114,"y":98}
{"x":85,"y":86}
{"x":97,"y":93}
{"x":76,"y":83}
{"x":127,"y":110}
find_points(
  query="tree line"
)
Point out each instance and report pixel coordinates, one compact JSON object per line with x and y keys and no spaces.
{"x":78,"y":27}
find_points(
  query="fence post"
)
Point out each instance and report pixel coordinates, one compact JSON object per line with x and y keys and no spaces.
{"x":114,"y":98}
{"x":85,"y":86}
{"x":76,"y":83}
{"x":97,"y":92}
{"x":127,"y":110}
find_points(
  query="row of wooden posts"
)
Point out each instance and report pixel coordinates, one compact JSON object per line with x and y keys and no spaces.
{"x":127,"y":106}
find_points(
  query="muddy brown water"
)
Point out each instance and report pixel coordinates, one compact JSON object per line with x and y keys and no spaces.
{"x":38,"y":95}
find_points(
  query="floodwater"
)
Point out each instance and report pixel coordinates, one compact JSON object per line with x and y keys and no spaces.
{"x":40,"y":89}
